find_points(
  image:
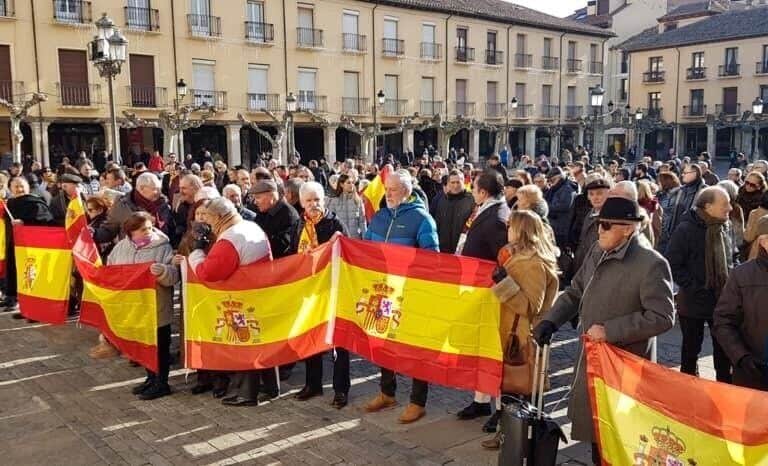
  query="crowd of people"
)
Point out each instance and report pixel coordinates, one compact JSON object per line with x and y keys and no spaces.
{"x":617,"y":250}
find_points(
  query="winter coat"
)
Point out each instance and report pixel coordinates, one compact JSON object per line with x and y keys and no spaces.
{"x":587,"y":239}
{"x":325,"y":229}
{"x":123,"y":207}
{"x":681,"y":200}
{"x":749,"y":201}
{"x":30,"y":209}
{"x":740,"y":320}
{"x":451,"y":216}
{"x":629,"y":291}
{"x":408,"y":225}
{"x":560,"y":200}
{"x":488,"y":233}
{"x":351,"y":212}
{"x":158,"y":251}
{"x":685,"y":253}
{"x":280,"y":223}
{"x":582,"y":208}
{"x":241,"y":244}
{"x":666,"y":202}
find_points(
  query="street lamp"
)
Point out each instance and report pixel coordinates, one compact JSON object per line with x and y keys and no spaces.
{"x":596,"y":95}
{"x":290,"y":103}
{"x":181,"y":91}
{"x":109,"y":50}
{"x":381,"y":98}
{"x":757,"y":106}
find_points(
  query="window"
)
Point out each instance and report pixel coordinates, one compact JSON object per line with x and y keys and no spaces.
{"x":462,"y":52}
{"x":731,"y":61}
{"x":201,"y":17}
{"x":763,"y":65}
{"x":391,"y":46}
{"x":697,"y":102}
{"x":623,"y":89}
{"x":546,"y":95}
{"x":462,"y":106}
{"x":571,"y":95}
{"x":571,"y":50}
{"x":137,"y":14}
{"x":390,"y":29}
{"x":350,"y":101}
{"x":764,"y":96}
{"x":391,"y":86}
{"x":306,"y":18}
{"x":490,"y":91}
{"x":255,"y":27}
{"x":68,"y":10}
{"x":547,"y":47}
{"x":350,"y":28}
{"x":306,"y":34}
{"x":594,"y":56}
{"x":603,"y":7}
{"x":697,"y":59}
{"x":730,"y":100}
{"x":520,"y":94}
{"x":204,"y":82}
{"x":429,"y":48}
{"x":491,"y":41}
{"x":307,"y":84}
{"x":654,"y":104}
{"x":142,"y":74}
{"x":257,"y":87}
{"x":655,"y":64}
{"x":428,"y":104}
{"x":670,"y":26}
{"x":624,"y":62}
{"x":73,"y":72}
{"x":522,"y":43}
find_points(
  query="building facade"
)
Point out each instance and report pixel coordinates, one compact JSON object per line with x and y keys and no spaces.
{"x":244,"y":57}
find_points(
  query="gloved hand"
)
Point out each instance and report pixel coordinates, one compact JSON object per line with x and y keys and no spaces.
{"x":543,"y":332}
{"x":202,"y":236}
{"x":753,"y":367}
{"x":499,"y":274}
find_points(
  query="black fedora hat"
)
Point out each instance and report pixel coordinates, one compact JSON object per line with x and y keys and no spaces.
{"x":620,"y":209}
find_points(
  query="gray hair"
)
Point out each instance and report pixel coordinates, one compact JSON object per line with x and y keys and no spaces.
{"x":233,"y":188}
{"x":207,"y":192}
{"x":221,"y":206}
{"x":708,"y":195}
{"x":194,"y":181}
{"x":293,"y":185}
{"x":148,"y":179}
{"x":730,"y":187}
{"x":625,"y":189}
{"x":404,"y":178}
{"x":311,"y":187}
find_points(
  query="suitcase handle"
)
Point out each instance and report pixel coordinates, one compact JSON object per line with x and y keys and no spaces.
{"x":540,"y":369}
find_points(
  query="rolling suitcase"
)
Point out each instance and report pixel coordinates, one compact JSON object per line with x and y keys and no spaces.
{"x":528,"y":436}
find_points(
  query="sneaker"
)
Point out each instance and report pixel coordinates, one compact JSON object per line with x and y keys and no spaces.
{"x":381,"y":401}
{"x":474,"y":410}
{"x":104,"y":350}
{"x":139,"y":389}
{"x":155,"y":390}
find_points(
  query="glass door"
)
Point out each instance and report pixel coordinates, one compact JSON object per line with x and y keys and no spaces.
{"x":255,"y":15}
{"x":200,"y":21}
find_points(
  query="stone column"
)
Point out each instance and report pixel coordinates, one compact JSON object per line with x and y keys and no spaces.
{"x":530,"y":141}
{"x":329,"y":143}
{"x":108,"y":142}
{"x":180,"y":140}
{"x":408,"y":140}
{"x":579,"y":136}
{"x":474,"y":145}
{"x":680,"y":140}
{"x":46,"y":155}
{"x":756,"y":148}
{"x":711,"y":133}
{"x":37,"y":139}
{"x":170,"y":144}
{"x":233,"y":145}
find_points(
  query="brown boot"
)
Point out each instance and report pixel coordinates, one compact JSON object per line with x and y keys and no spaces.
{"x":381,"y":401}
{"x":492,"y":443}
{"x":412,"y":413}
{"x":104,"y":350}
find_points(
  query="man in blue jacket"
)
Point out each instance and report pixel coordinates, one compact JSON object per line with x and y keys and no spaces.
{"x":404,"y":221}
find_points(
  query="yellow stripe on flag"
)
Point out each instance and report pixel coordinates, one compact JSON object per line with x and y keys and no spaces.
{"x":43,"y":273}
{"x":130,"y":314}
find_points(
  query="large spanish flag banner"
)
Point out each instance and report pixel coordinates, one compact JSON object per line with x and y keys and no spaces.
{"x":120,"y":301}
{"x":266,"y":314}
{"x":648,"y":415}
{"x":43,"y":271}
{"x":427,"y":315}
{"x":374,"y":192}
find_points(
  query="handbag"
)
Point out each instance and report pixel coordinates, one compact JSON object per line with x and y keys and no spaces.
{"x":517,"y":376}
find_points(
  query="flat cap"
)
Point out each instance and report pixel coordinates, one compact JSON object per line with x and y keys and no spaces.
{"x":264,"y":186}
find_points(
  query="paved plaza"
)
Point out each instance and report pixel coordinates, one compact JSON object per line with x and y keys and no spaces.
{"x":59,"y":407}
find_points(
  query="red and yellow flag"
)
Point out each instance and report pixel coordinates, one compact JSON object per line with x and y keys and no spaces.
{"x":266,"y":314}
{"x":3,"y":238}
{"x":646,"y":414}
{"x":375,"y":191}
{"x":428,"y":315}
{"x":75,"y":220}
{"x":43,"y":271}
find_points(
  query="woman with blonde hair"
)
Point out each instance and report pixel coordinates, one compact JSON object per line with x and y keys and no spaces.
{"x":526,"y":284}
{"x":650,"y":204}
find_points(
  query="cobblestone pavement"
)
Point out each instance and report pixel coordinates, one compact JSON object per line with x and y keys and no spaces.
{"x":59,"y":407}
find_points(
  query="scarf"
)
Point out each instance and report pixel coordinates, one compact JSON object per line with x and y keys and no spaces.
{"x":308,"y":239}
{"x":151,"y":207}
{"x":479,"y":209}
{"x":226,"y":222}
{"x":715,"y":252}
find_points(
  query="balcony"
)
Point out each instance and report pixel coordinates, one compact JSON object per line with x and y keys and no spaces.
{"x":395,"y":107}
{"x":78,"y":95}
{"x":550,"y":112}
{"x":309,"y":38}
{"x":215,"y":99}
{"x":147,"y":97}
{"x":204,"y":26}
{"x":6,"y":9}
{"x":574,"y":66}
{"x":550,"y":63}
{"x":431,"y":51}
{"x":312,"y":102}
{"x":522,"y":112}
{"x":464,"y":108}
{"x":761,"y":67}
{"x":595,"y":67}
{"x":573,"y":112}
{"x":694,"y":111}
{"x":653,"y":113}
{"x":263,"y":102}
{"x":72,"y":12}
{"x":354,"y":43}
{"x":725,"y":71}
{"x":692,"y":74}
{"x":260,"y":33}
{"x":494,"y":57}
{"x":495,"y":110}
{"x":355,"y":106}
{"x":392,"y":47}
{"x":465,"y":54}
{"x":142,"y":19}
{"x":12,"y":91}
{"x":523,"y":60}
{"x":728,"y":109}
{"x":431,"y":107}
{"x":654,"y":76}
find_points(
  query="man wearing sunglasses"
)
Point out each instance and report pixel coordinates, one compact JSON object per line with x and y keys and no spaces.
{"x":622,"y":294}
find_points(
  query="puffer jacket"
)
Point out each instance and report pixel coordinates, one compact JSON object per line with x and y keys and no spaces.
{"x":351,"y":213}
{"x":158,"y":251}
{"x":408,"y":225}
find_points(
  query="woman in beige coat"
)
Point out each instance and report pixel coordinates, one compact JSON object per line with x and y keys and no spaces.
{"x":526,"y":285}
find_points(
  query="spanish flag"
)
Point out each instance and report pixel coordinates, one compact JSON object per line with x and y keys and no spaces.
{"x":3,"y":238}
{"x":121,"y":302}
{"x":43,"y":271}
{"x":428,"y":315}
{"x":375,"y":191}
{"x":75,"y":220}
{"x":266,"y":314}
{"x":647,"y":415}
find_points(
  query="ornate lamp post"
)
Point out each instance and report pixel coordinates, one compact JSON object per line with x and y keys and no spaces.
{"x":291,"y":105}
{"x":596,"y":95}
{"x":109,"y":49}
{"x":381,"y":98}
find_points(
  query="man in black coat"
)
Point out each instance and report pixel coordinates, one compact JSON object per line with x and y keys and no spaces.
{"x":235,"y":196}
{"x":700,"y":259}
{"x":452,"y":211}
{"x":494,"y":163}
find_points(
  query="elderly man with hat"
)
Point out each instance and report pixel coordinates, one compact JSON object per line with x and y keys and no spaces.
{"x":559,"y":197}
{"x":596,"y":189}
{"x":70,"y":184}
{"x":622,"y":294}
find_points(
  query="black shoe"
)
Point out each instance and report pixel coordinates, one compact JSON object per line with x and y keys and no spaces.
{"x":18,"y":316}
{"x":264,"y":397}
{"x":339,"y":400}
{"x":307,"y":393}
{"x":492,"y":423}
{"x":219,"y":392}
{"x":201,"y":388}
{"x":8,"y":306}
{"x":239,"y":401}
{"x":285,"y":373}
{"x":139,"y":389}
{"x":474,"y":410}
{"x":155,"y":390}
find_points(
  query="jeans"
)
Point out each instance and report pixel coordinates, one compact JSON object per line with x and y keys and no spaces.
{"x":314,"y":374}
{"x":419,"y":390}
{"x":693,"y":336}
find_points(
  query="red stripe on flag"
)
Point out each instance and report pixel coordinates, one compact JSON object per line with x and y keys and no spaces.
{"x":40,"y":237}
{"x":215,"y":356}
{"x":452,"y":370}
{"x":2,"y":263}
{"x":418,"y":263}
{"x":73,"y":231}
{"x":49,"y":311}
{"x":118,"y":277}
{"x":92,"y":314}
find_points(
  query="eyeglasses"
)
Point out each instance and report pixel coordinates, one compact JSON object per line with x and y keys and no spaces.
{"x":606,"y":225}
